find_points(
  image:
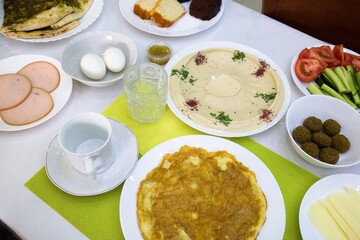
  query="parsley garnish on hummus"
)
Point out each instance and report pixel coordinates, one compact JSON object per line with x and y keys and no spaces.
{"x":238,"y":56}
{"x":183,"y":74}
{"x":222,"y":118}
{"x":266,"y":96}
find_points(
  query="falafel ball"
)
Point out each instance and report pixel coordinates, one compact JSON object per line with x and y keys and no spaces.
{"x":311,"y":148}
{"x":329,"y":155}
{"x":321,"y":139}
{"x":331,"y":127}
{"x":340,"y":143}
{"x":301,"y":134}
{"x":314,"y":124}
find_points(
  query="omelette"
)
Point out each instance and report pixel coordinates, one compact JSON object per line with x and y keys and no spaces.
{"x":196,"y":194}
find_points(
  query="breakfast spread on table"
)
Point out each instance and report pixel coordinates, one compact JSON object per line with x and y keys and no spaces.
{"x":26,"y":95}
{"x":196,"y":194}
{"x":42,"y":19}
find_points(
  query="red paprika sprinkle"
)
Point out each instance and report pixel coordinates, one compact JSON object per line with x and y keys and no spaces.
{"x":192,"y":104}
{"x":261,"y":70}
{"x":266,"y":115}
{"x":200,"y":59}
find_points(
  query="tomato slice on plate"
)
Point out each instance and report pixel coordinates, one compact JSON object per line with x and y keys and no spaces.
{"x":327,"y":55}
{"x":305,"y":53}
{"x":338,"y":52}
{"x":308,"y":69}
{"x":356,"y":63}
{"x":314,"y":55}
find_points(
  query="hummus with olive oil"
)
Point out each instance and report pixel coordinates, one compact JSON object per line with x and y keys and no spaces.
{"x":226,"y":89}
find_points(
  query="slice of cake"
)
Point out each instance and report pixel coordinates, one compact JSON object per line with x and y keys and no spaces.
{"x":142,"y":8}
{"x":166,"y":12}
{"x":204,"y":9}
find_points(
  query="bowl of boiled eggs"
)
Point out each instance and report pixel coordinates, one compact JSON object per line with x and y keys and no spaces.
{"x":98,"y":59}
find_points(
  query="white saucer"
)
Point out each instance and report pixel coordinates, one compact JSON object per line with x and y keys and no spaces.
{"x":68,"y":179}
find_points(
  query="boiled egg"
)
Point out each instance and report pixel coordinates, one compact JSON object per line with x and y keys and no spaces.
{"x":114,"y":59}
{"x":93,"y":66}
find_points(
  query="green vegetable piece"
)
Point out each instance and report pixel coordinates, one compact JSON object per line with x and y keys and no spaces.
{"x":222,"y":118}
{"x":349,"y":101}
{"x":350,"y":68}
{"x":335,"y":79}
{"x":314,"y":89}
{"x":238,"y":56}
{"x":338,"y":71}
{"x":266,"y":96}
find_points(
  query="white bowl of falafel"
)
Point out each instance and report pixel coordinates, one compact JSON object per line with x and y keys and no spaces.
{"x":324,"y":131}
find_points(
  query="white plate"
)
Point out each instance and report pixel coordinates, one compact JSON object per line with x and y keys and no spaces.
{"x":186,"y":25}
{"x":68,"y":179}
{"x":274,"y":226}
{"x":301,"y":84}
{"x":220,"y":44}
{"x":92,"y":14}
{"x":60,"y":95}
{"x":319,"y":190}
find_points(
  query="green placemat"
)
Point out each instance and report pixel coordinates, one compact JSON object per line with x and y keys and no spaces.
{"x":97,"y":217}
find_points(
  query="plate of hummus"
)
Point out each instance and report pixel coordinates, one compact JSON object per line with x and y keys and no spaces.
{"x":206,"y":202}
{"x":226,"y":89}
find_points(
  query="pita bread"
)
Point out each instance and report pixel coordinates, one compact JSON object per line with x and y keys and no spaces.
{"x":41,"y":20}
{"x":43,"y":33}
{"x":78,"y":13}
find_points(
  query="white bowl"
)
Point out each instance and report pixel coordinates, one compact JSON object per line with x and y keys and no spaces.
{"x":97,"y":43}
{"x":325,"y":107}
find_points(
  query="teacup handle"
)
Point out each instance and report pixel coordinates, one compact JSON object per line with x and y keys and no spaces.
{"x":90,"y":168}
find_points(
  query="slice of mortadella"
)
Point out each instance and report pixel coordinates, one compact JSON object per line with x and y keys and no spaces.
{"x":42,"y":75}
{"x":36,"y":106}
{"x":14,"y":89}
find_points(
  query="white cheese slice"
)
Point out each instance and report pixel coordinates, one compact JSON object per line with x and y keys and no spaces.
{"x":324,"y":222}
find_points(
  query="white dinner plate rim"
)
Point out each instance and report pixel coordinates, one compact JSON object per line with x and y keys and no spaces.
{"x":89,"y":18}
{"x":274,"y":226}
{"x":60,"y":95}
{"x":319,"y":190}
{"x":113,"y":174}
{"x":225,"y":44}
{"x":148,"y":26}
{"x":301,"y":84}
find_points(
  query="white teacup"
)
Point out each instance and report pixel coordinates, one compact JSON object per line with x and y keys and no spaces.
{"x":86,"y":141}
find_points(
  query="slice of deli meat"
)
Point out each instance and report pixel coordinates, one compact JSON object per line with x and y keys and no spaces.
{"x":42,"y":75}
{"x":14,"y":89}
{"x":36,"y":106}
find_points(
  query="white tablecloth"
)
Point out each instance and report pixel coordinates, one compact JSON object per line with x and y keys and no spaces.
{"x":23,"y":153}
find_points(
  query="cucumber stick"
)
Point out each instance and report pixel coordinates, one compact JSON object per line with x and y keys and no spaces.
{"x":339,"y":72}
{"x":335,"y":79}
{"x":314,"y":89}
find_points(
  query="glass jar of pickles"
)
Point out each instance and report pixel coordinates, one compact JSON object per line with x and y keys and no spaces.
{"x":159,"y":52}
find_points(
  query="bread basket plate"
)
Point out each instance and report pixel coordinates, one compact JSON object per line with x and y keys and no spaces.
{"x":274,"y":225}
{"x":226,"y":97}
{"x":60,"y":95}
{"x":89,"y":18}
{"x":320,"y":190}
{"x":301,"y":84}
{"x":186,"y":25}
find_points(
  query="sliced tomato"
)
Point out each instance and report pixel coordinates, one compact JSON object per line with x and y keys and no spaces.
{"x":338,"y":52}
{"x":347,"y":59}
{"x":326,"y":55}
{"x":356,"y":63}
{"x":314,"y":55}
{"x":305,"y":53}
{"x":308,"y":69}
